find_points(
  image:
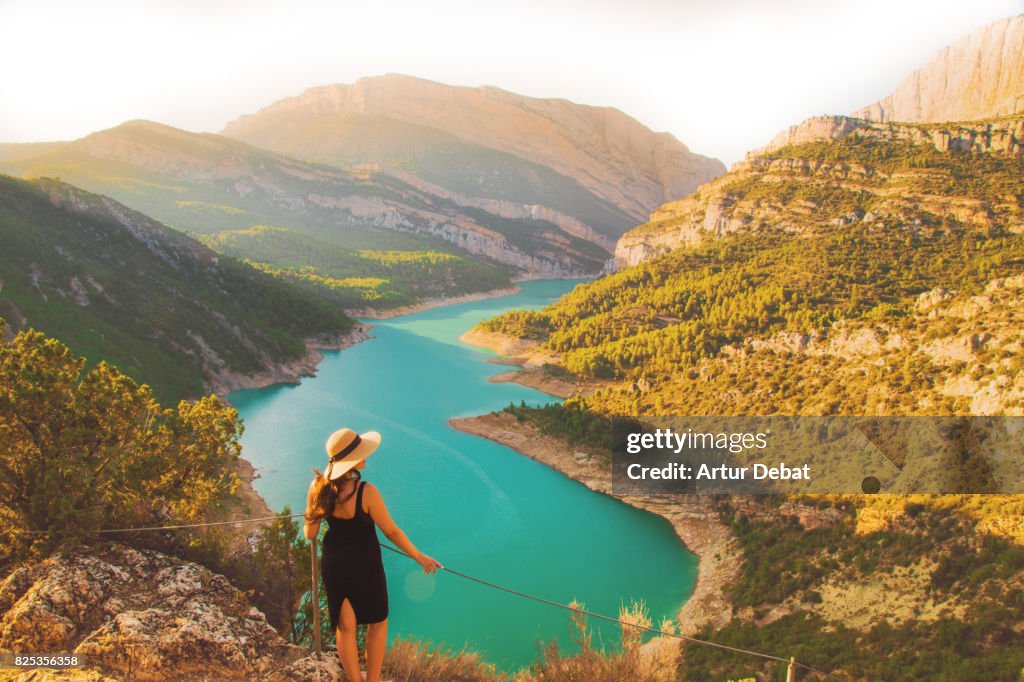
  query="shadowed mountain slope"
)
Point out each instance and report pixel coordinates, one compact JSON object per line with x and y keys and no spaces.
{"x":116,"y":285}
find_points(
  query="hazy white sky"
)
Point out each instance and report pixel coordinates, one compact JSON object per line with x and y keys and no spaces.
{"x":723,"y":76}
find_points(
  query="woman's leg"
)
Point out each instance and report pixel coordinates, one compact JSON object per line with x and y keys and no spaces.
{"x":376,"y":643}
{"x":348,"y":650}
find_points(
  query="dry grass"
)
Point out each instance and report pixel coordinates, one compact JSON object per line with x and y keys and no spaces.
{"x":655,"y":661}
{"x":408,"y":661}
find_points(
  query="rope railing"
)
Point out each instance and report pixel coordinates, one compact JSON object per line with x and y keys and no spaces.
{"x":693,"y":640}
{"x":174,"y":527}
{"x":315,"y":582}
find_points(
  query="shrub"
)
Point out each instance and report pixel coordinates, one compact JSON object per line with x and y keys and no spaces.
{"x":83,"y":451}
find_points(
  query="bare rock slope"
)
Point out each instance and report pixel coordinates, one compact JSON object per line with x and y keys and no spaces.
{"x":142,"y":614}
{"x":616,"y":159}
{"x":979,"y":76}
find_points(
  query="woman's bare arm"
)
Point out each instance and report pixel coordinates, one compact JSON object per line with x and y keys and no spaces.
{"x":380,"y":515}
{"x":310,"y":529}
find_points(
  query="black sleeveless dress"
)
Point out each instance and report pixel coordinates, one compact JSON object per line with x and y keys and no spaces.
{"x":352,"y":567}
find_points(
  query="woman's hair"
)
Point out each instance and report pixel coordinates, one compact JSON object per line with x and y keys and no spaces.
{"x":326,"y":494}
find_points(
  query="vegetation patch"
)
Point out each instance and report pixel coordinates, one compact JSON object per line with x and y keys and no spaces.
{"x":348,"y":274}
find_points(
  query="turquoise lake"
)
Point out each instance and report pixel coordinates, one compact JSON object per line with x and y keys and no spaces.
{"x":478,"y":507}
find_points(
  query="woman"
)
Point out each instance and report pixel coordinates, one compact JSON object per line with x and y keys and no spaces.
{"x":351,"y":565}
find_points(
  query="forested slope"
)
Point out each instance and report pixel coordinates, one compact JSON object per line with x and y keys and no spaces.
{"x":832,"y":238}
{"x":115,"y":285}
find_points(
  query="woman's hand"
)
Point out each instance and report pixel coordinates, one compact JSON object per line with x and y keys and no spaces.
{"x":429,"y":563}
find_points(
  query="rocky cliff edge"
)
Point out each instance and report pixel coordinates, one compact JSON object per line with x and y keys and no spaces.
{"x":143,"y":614}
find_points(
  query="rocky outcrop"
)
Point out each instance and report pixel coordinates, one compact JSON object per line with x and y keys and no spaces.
{"x":510,"y":209}
{"x":147,"y":615}
{"x":611,"y":155}
{"x":1005,"y":136}
{"x":754,"y":192}
{"x":979,"y":76}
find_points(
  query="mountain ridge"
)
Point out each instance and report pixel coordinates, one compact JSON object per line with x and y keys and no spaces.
{"x":613,"y":156}
{"x":723,"y":206}
{"x":208,"y":183}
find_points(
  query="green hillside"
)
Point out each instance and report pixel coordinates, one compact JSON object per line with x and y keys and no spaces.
{"x":823,"y":251}
{"x":204,"y":183}
{"x":366,"y":272}
{"x":115,"y":285}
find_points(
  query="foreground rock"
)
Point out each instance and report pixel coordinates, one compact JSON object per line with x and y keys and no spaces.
{"x":143,"y":614}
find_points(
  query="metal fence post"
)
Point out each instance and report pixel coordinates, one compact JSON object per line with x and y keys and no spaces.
{"x":316,"y":595}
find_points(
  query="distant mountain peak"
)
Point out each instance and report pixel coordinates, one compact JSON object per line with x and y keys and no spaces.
{"x":979,"y":76}
{"x":624,"y":165}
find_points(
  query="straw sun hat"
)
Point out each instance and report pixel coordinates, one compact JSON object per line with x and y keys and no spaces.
{"x":346,"y":448}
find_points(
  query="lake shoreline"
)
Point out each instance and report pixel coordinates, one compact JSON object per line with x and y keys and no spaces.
{"x":287,"y":372}
{"x":546,"y":382}
{"x":435,"y":302}
{"x":693,"y":517}
{"x":245,"y":503}
{"x":293,"y":371}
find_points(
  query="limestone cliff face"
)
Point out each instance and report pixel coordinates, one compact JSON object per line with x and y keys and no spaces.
{"x":979,"y":76}
{"x":554,"y":259}
{"x":971,"y":342}
{"x":510,"y":209}
{"x":1006,"y":136}
{"x":784,"y":186}
{"x":611,"y":155}
{"x":141,"y":614}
